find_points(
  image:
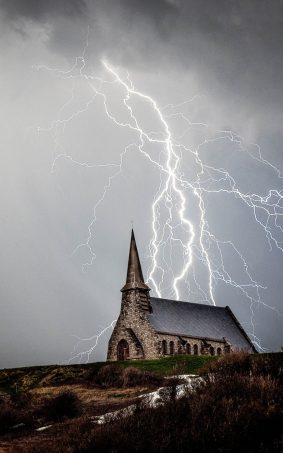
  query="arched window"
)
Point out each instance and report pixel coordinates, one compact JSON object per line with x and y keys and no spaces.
{"x":219,"y":352}
{"x":195,"y":349}
{"x":123,"y":350}
{"x":164,"y":347}
{"x":188,"y":348}
{"x":211,"y":350}
{"x":171,"y":347}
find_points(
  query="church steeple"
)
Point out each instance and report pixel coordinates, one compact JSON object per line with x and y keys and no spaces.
{"x":134,"y":274}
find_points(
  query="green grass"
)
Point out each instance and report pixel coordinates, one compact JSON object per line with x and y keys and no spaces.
{"x":119,"y":395}
{"x":170,"y":365}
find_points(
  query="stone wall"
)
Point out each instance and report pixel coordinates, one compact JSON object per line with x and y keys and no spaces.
{"x":189,"y":345}
{"x":133,"y":326}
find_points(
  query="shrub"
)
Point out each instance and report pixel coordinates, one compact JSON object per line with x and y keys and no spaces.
{"x":116,"y":376}
{"x":14,"y":411}
{"x":247,"y":364}
{"x":8,"y":417}
{"x":134,"y":377}
{"x":268,"y":364}
{"x":66,"y":404}
{"x":21,"y":399}
{"x":229,"y":364}
{"x":108,"y":376}
{"x":232,"y":409}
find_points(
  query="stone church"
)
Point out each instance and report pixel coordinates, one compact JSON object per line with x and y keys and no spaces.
{"x":151,"y":327}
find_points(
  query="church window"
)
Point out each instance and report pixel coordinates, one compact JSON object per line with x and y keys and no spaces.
{"x":211,"y":350}
{"x":164,"y":347}
{"x":188,"y":348}
{"x":219,"y":352}
{"x":195,"y":349}
{"x":171,"y":347}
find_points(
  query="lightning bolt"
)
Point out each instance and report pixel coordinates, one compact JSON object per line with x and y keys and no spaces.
{"x":93,"y":340}
{"x":175,"y":233}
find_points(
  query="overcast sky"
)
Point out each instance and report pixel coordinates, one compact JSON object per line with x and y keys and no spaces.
{"x":226,"y":59}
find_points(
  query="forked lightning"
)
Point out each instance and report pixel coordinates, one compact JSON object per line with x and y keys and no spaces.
{"x":175,"y":233}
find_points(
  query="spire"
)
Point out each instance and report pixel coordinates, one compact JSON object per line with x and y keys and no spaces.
{"x":134,"y":274}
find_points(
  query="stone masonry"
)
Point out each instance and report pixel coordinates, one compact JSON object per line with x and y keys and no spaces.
{"x":133,"y":326}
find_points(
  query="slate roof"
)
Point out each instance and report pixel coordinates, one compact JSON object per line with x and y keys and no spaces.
{"x":198,"y":320}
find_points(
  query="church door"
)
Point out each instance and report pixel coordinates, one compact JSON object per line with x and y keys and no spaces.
{"x":122,"y":350}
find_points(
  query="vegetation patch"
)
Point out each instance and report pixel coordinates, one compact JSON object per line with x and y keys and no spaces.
{"x":27,"y":378}
{"x":66,"y":404}
{"x":119,"y":395}
{"x":237,"y":405}
{"x":115,"y":376}
{"x":166,"y":366}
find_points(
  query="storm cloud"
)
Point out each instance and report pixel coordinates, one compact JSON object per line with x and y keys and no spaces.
{"x":238,"y":44}
{"x":42,"y":10}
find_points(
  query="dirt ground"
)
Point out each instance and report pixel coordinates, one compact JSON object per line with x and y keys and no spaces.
{"x":95,"y":401}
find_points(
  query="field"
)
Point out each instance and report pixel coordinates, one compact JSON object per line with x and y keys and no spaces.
{"x":55,"y":408}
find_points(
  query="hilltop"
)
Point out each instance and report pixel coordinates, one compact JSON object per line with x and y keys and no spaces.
{"x":27,"y":378}
{"x":237,"y":402}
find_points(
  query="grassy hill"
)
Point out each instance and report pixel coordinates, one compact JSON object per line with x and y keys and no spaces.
{"x":26,"y":378}
{"x":236,"y":406}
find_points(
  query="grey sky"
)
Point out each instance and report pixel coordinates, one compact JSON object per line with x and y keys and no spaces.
{"x":229,"y":53}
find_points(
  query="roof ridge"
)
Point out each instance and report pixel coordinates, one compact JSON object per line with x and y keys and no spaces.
{"x":187,"y":302}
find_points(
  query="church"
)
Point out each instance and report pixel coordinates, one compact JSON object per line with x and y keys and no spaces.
{"x":151,"y":327}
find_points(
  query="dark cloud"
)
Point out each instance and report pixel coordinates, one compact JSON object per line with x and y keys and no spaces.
{"x":42,"y":9}
{"x":231,"y":45}
{"x":237,"y":44}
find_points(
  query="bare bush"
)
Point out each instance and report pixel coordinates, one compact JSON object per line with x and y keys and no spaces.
{"x":233,"y":409}
{"x":134,"y":377}
{"x":8,"y":417}
{"x":116,"y":376}
{"x":66,"y":404}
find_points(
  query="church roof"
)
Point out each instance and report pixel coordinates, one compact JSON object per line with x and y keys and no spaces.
{"x":198,"y":320}
{"x":134,"y":278}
